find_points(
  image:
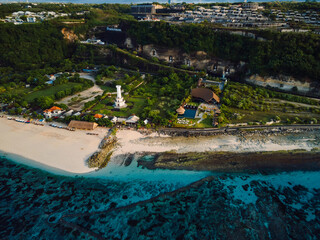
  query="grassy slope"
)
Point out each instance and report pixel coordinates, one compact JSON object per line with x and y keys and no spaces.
{"x":273,"y":106}
{"x":50,"y":91}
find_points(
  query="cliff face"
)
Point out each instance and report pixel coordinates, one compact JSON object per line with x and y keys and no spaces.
{"x":199,"y":59}
{"x":285,"y":83}
{"x":69,"y":35}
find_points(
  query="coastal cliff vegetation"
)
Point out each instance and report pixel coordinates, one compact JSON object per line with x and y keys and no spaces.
{"x":31,"y":52}
{"x":31,"y":46}
{"x":280,"y":53}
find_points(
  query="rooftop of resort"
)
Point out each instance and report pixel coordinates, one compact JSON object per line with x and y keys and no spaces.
{"x":54,"y":108}
{"x":98,"y":116}
{"x":204,"y":94}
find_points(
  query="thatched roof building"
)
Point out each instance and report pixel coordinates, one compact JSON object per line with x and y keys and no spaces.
{"x":180,"y":110}
{"x":82,"y":125}
{"x":204,"y":94}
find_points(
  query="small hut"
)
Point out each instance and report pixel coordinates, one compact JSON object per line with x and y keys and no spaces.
{"x":180,"y":110}
{"x":82,"y":125}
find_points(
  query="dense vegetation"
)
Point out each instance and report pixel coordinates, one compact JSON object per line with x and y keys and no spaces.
{"x":30,"y":46}
{"x":34,"y":46}
{"x":297,"y":6}
{"x":164,"y":94}
{"x":292,"y":54}
{"x":30,"y":51}
{"x":42,"y":95}
{"x":153,"y":97}
{"x":100,"y":15}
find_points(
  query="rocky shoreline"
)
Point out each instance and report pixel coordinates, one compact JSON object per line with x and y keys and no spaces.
{"x":247,"y":130}
{"x":292,"y":160}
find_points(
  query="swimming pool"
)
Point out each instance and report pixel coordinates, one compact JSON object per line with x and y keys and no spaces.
{"x":189,"y":113}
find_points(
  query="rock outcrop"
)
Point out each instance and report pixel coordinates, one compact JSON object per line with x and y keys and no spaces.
{"x":285,"y":83}
{"x":101,"y":158}
{"x":69,"y":35}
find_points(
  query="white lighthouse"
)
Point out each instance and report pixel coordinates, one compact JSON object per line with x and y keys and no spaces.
{"x":119,"y":103}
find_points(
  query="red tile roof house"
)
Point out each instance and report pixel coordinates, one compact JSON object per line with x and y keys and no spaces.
{"x":52,"y":112}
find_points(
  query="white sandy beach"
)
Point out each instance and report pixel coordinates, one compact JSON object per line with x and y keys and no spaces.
{"x":68,"y":151}
{"x":58,"y":148}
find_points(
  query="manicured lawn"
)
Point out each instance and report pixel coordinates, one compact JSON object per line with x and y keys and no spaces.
{"x":135,"y":106}
{"x":105,"y":111}
{"x":50,"y":91}
{"x":108,"y":88}
{"x":122,"y":113}
{"x":138,"y":105}
{"x":206,"y":123}
{"x":98,"y":107}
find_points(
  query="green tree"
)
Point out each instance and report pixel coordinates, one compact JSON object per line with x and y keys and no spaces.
{"x":44,"y":102}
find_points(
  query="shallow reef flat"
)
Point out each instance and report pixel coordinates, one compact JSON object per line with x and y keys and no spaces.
{"x":32,"y":200}
{"x":37,"y":205}
{"x":293,"y":160}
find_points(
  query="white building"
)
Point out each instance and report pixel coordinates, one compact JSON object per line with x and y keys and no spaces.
{"x":132,"y":119}
{"x":119,"y":103}
{"x":52,"y":112}
{"x":69,"y":113}
{"x":94,"y":41}
{"x":31,"y":19}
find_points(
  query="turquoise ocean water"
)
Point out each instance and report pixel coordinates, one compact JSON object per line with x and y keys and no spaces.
{"x":37,"y":204}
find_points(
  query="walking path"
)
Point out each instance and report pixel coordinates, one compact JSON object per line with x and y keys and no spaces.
{"x":209,"y":131}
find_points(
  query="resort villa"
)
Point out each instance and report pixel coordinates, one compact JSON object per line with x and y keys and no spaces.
{"x":52,"y":112}
{"x":205,"y":94}
{"x":133,"y":119}
{"x":205,"y":102}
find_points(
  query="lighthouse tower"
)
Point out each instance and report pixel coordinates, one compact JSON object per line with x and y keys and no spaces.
{"x":119,"y":103}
